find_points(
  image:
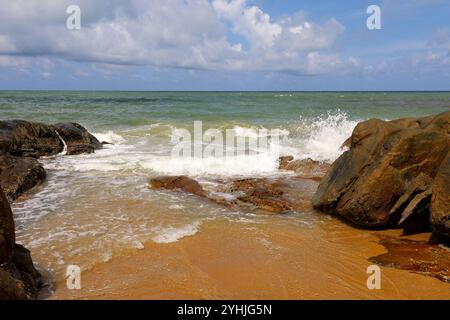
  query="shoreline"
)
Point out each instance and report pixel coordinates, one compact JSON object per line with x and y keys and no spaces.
{"x":204,"y":266}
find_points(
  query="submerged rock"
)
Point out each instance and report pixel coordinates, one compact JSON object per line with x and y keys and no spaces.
{"x":291,"y":194}
{"x":178,"y":182}
{"x":261,"y":194}
{"x":415,"y":256}
{"x":305,"y":168}
{"x":18,"y":277}
{"x":390,"y":174}
{"x":77,"y":138}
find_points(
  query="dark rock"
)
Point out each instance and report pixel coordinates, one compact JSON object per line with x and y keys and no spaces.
{"x":77,"y":138}
{"x":415,"y":256}
{"x":18,"y":277}
{"x":10,"y":288}
{"x":386,"y":175}
{"x":29,"y":139}
{"x":21,"y":142}
{"x":18,"y":175}
{"x":177,"y":182}
{"x":7,"y":230}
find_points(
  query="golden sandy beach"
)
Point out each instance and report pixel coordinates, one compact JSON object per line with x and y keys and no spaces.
{"x":228,"y":260}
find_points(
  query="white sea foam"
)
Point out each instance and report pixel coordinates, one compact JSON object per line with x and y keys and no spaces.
{"x":109,"y":136}
{"x":318,"y":138}
{"x":326,"y":136}
{"x":64,"y":151}
{"x":253,"y":132}
{"x":238,"y":165}
{"x":172,"y":234}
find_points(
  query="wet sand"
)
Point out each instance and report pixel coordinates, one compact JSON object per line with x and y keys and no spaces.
{"x":276,"y":259}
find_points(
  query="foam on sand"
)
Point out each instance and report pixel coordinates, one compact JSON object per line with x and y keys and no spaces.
{"x":172,"y":234}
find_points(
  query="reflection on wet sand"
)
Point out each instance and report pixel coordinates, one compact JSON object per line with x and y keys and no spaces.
{"x":274,"y":260}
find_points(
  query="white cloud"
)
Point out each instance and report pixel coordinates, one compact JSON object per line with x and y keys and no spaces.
{"x":192,"y":34}
{"x":248,"y":21}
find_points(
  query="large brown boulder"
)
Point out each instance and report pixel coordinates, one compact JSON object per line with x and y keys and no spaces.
{"x":77,"y":138}
{"x":440,"y":201}
{"x":18,"y":277}
{"x":386,"y":176}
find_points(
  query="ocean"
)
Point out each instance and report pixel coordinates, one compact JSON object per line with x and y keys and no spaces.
{"x":96,"y":207}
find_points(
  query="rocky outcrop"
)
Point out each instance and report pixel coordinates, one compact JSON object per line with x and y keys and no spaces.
{"x":32,"y":139}
{"x":440,"y":200}
{"x":19,"y":175}
{"x":18,"y":277}
{"x":391,"y":174}
{"x":263,"y":195}
{"x":29,"y":139}
{"x":77,"y":138}
{"x":22,"y":142}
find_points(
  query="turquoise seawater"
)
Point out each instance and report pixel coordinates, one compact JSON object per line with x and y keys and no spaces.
{"x":123,"y":110}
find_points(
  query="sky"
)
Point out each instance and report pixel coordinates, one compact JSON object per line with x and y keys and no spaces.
{"x":235,"y":45}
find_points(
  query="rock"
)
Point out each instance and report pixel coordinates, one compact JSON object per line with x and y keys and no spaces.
{"x":386,"y":175}
{"x":415,"y":256}
{"x":284,"y":161}
{"x":305,"y":168}
{"x":22,"y":138}
{"x":21,"y":142}
{"x":18,"y":175}
{"x":440,"y":200}
{"x":177,"y":182}
{"x":10,"y":288}
{"x":7,"y":230}
{"x":18,"y":277}
{"x":290,"y":194}
{"x":29,"y":139}
{"x":77,"y":138}
{"x":261,"y":195}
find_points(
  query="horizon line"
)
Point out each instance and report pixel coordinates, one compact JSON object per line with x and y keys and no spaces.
{"x":212,"y":91}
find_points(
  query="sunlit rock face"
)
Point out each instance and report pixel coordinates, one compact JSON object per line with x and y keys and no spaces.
{"x":394,"y":173}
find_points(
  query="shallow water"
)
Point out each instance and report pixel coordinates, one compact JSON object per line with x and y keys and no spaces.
{"x":96,"y":210}
{"x":280,"y":258}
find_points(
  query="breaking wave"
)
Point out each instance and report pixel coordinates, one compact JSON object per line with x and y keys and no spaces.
{"x":318,"y":138}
